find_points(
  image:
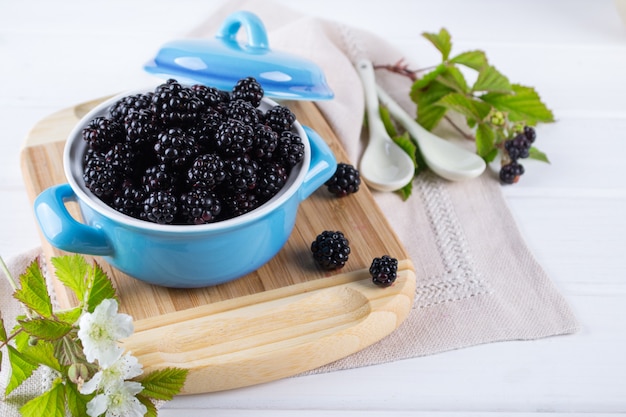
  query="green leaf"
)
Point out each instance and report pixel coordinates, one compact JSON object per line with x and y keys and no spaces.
{"x":101,"y":288}
{"x":163,"y":384}
{"x":34,"y":292}
{"x":3,"y":331}
{"x":429,"y":114}
{"x":21,"y":369}
{"x":441,"y":40}
{"x":66,"y":350}
{"x":41,"y":353}
{"x":429,"y":77}
{"x":76,"y":402}
{"x":152,"y":410}
{"x":69,"y":316}
{"x":471,"y":59}
{"x":491,"y":80}
{"x":485,"y":141}
{"x":523,"y":105}
{"x":385,"y":116}
{"x":536,"y":154}
{"x":467,"y":106}
{"x":404,"y":141}
{"x":71,"y":271}
{"x":454,"y":79}
{"x":50,"y":404}
{"x":46,"y":329}
{"x":406,"y":191}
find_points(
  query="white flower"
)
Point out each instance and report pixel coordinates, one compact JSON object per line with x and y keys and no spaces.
{"x":100,"y":331}
{"x":126,"y":367}
{"x":118,"y":400}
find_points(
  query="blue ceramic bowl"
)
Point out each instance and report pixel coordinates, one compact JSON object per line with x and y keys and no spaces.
{"x":180,"y":256}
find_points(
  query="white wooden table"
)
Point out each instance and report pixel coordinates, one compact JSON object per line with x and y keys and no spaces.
{"x":572,"y":212}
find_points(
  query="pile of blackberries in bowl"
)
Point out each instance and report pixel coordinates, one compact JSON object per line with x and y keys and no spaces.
{"x":190,"y":154}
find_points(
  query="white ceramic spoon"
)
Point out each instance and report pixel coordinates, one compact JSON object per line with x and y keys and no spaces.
{"x":384,"y":165}
{"x":444,"y":158}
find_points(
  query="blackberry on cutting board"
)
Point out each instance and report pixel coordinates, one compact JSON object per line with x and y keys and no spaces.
{"x":384,"y":270}
{"x":346,"y":180}
{"x":331,"y":250}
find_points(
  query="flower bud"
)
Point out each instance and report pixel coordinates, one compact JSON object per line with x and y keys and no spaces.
{"x":78,"y":373}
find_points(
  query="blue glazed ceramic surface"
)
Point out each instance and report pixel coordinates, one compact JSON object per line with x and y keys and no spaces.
{"x":182,"y":256}
{"x":222,"y":61}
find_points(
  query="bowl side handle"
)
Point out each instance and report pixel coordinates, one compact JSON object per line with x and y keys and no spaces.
{"x":323,"y":164}
{"x":62,"y":230}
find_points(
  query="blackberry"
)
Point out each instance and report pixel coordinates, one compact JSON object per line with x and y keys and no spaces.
{"x":210,"y":97}
{"x":249,"y":90}
{"x":243,"y":111}
{"x":102,"y":133}
{"x":330,"y":250}
{"x":241,"y":173}
{"x":518,"y":147}
{"x":139,"y":127}
{"x":279,"y":118}
{"x":530,"y":133}
{"x":384,"y":271}
{"x":100,"y":177}
{"x":345,"y":180}
{"x":289,"y":149}
{"x":271,"y":179}
{"x":200,"y":206}
{"x":157,"y":178}
{"x":160,"y":207}
{"x":121,"y":157}
{"x":206,"y":171}
{"x":240,"y":203}
{"x":510,"y":173}
{"x":121,"y":108}
{"x":174,"y":146}
{"x":175,"y":105}
{"x":234,"y":138}
{"x":265,"y":142}
{"x":206,"y":128}
{"x":130,"y":199}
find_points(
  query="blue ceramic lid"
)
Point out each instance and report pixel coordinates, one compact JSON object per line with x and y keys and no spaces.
{"x":222,"y":61}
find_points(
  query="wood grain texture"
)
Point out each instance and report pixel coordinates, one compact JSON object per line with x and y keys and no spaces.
{"x":285,"y":318}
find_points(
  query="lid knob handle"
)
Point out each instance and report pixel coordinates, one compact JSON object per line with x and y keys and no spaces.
{"x":255,"y":30}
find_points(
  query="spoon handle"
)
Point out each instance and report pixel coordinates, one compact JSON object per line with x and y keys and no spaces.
{"x":400,"y":114}
{"x":366,"y":72}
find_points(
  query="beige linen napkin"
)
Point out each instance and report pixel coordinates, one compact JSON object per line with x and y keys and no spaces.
{"x":477,"y":282}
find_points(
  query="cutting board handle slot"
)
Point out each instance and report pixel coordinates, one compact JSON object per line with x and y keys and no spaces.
{"x":62,"y":230}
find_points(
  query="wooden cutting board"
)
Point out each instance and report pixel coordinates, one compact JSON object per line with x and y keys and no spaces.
{"x":283,"y":319}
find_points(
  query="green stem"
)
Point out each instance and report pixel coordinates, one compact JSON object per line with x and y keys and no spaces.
{"x":458,"y":129}
{"x":7,"y":273}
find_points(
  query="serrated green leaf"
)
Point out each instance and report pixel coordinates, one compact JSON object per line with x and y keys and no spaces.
{"x":76,"y":402}
{"x":441,"y":40}
{"x":101,"y":288}
{"x":33,"y":292}
{"x":42,"y":353}
{"x":46,"y":329}
{"x":429,"y":77}
{"x":69,"y":316}
{"x":523,"y":105}
{"x":429,"y":114}
{"x":71,"y":271}
{"x":21,"y":369}
{"x":471,"y":59}
{"x":50,"y":404}
{"x":152,"y":410}
{"x":466,"y":106}
{"x":406,"y":191}
{"x":163,"y":384}
{"x":454,"y":79}
{"x":485,"y":141}
{"x":536,"y":154}
{"x":491,"y":80}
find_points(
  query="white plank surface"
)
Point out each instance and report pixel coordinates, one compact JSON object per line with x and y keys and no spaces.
{"x":56,"y":54}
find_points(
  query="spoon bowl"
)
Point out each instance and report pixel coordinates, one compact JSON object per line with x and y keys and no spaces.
{"x":384,"y":165}
{"x":442,"y":157}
